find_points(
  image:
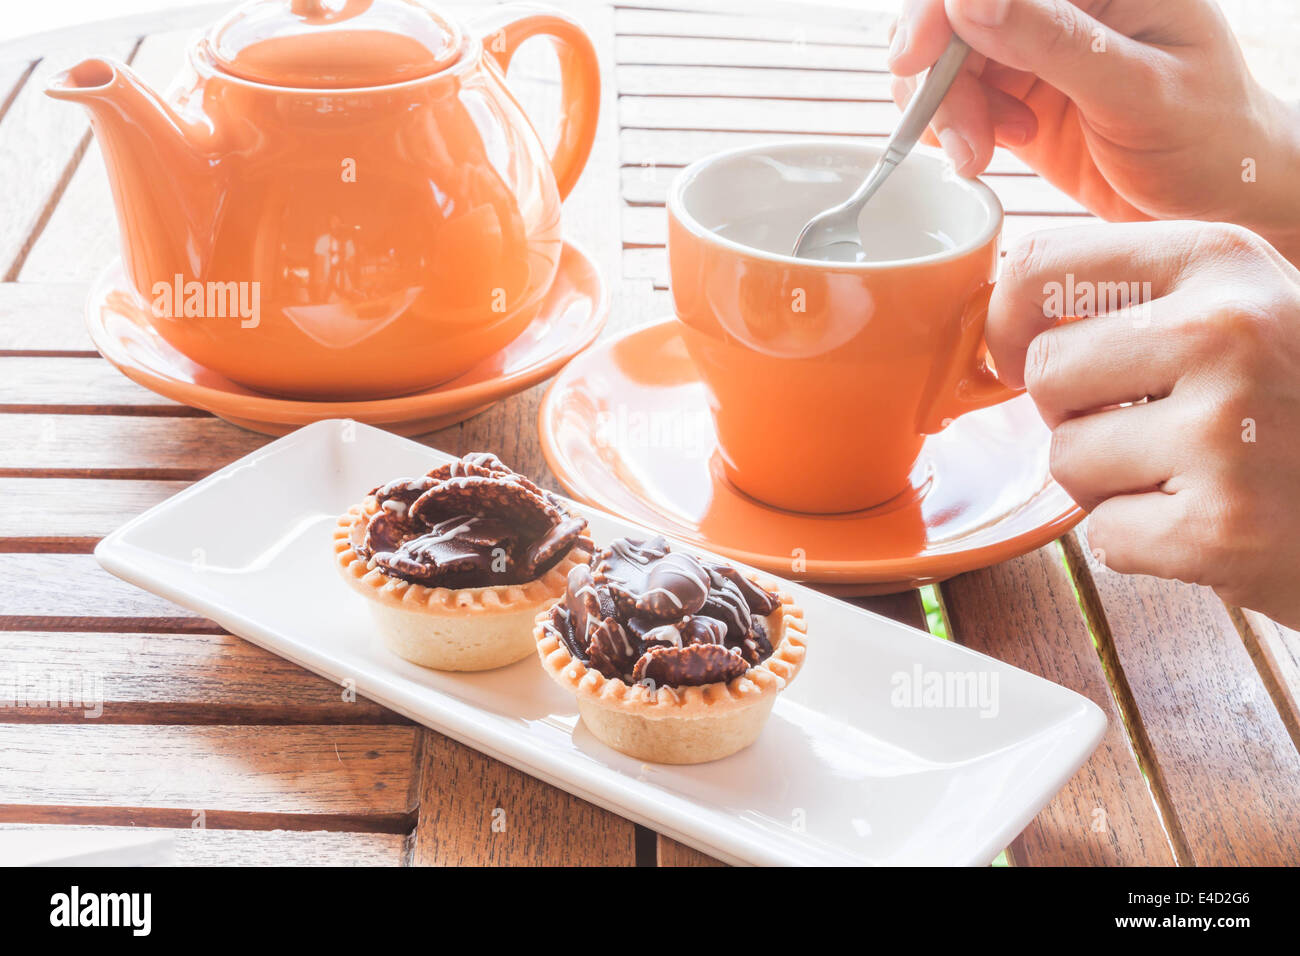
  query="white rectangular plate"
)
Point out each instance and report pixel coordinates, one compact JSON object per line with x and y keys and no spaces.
{"x":890,"y":747}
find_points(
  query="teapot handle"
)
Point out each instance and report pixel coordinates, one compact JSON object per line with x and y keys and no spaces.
{"x":505,"y":28}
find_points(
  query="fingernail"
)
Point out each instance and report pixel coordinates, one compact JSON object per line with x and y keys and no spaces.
{"x":958,"y":150}
{"x":899,"y":44}
{"x":986,"y":13}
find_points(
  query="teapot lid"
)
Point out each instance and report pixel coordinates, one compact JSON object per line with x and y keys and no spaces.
{"x":334,"y":44}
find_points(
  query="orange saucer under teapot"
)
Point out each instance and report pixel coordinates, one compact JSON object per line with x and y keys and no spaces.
{"x":341,"y":198}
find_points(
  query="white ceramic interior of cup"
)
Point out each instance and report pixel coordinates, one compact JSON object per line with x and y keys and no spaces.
{"x":758,"y":198}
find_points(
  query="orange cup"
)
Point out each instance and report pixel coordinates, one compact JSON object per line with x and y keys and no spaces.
{"x":825,"y":378}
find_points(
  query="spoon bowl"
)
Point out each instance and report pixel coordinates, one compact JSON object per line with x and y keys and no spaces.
{"x":832,"y":234}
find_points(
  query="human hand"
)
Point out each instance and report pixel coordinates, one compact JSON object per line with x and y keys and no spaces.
{"x":1137,"y":109}
{"x":1201,"y":481}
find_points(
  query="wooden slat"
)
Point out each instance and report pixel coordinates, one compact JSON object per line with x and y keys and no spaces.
{"x":672,"y":853}
{"x":649,"y":264}
{"x":77,"y":386}
{"x":478,"y":811}
{"x":1017,"y":226}
{"x":790,"y":11}
{"x":72,"y":592}
{"x":1221,"y":754}
{"x":683,"y":23}
{"x":905,"y":606}
{"x":125,"y":447}
{"x":691,"y":81}
{"x":757,"y":115}
{"x":1029,"y":196}
{"x":660,"y":147}
{"x":81,"y":237}
{"x":44,"y":142}
{"x":43,"y":318}
{"x":203,"y":847}
{"x":71,"y":514}
{"x":1024,"y":612}
{"x":1276,"y":652}
{"x":642,"y":304}
{"x":750,"y":54}
{"x":255,"y":778}
{"x":165,"y":678}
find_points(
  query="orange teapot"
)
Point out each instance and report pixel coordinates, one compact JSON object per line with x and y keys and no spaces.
{"x":341,"y":199}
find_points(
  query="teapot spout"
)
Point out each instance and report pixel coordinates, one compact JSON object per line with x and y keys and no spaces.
{"x":126,"y":113}
{"x":157,"y":163}
{"x":88,"y":80}
{"x":117,"y":98}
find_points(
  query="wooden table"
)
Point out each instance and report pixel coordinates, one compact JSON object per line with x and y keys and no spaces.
{"x":249,"y":759}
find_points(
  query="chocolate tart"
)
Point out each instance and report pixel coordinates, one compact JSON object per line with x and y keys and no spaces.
{"x":673,"y":659}
{"x":456,"y":564}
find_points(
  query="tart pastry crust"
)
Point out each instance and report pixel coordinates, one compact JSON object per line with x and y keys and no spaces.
{"x":680,"y":725}
{"x":452,"y":629}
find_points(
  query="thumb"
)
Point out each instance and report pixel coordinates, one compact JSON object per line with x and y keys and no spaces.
{"x":1086,"y":60}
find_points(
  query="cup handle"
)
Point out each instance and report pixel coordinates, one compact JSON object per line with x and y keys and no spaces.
{"x":968,"y":382}
{"x":503,"y":29}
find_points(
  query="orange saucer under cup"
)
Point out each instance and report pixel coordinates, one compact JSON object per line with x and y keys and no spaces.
{"x":626,"y":427}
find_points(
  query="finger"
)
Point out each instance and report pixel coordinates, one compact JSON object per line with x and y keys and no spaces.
{"x":1018,"y":83}
{"x":1045,"y":274}
{"x":920,"y":34}
{"x":1014,"y":123}
{"x":1053,"y":39}
{"x":1120,"y":451}
{"x":1125,"y":355}
{"x":963,"y":125}
{"x":903,"y":88}
{"x":1144,"y":534}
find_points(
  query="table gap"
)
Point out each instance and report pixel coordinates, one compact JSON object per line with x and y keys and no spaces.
{"x":124,"y":474}
{"x":48,"y":353}
{"x":60,"y":186}
{"x":17,"y":88}
{"x":1278,"y":693}
{"x":110,"y":625}
{"x":1094,"y":616}
{"x":121,"y":411}
{"x":758,"y":66}
{"x":49,"y":545}
{"x":732,"y":39}
{"x":743,"y":96}
{"x":89,"y":815}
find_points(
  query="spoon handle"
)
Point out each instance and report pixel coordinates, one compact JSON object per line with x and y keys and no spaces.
{"x":915,"y":119}
{"x":920,"y":110}
{"x":926,"y":102}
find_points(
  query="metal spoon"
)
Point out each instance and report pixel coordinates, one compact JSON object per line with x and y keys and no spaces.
{"x":833,"y":234}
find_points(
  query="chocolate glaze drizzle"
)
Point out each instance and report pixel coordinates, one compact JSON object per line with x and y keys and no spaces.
{"x":644,"y":613}
{"x":471,"y":523}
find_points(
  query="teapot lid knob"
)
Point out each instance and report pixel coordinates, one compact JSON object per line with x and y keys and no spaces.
{"x":334,"y":44}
